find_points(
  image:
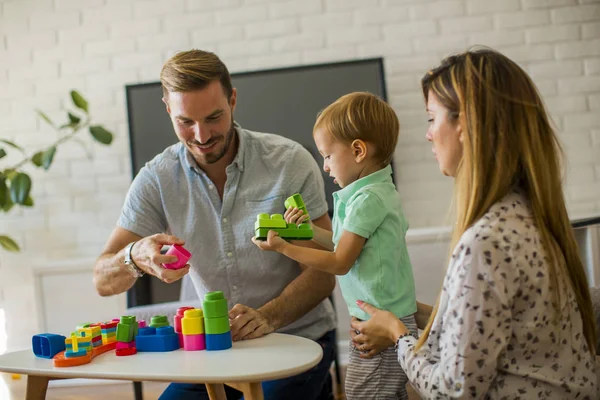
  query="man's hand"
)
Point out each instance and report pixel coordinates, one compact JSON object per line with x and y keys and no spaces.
{"x":248,"y":323}
{"x":146,"y":255}
{"x":273,"y":242}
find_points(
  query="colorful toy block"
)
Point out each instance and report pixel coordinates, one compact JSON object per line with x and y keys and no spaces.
{"x":216,"y":321}
{"x":182,"y":254}
{"x":296,"y":200}
{"x":127,"y":329}
{"x":60,"y":360}
{"x":264,"y":223}
{"x":47,"y":345}
{"x":159,"y":320}
{"x":218,"y":342}
{"x":177,"y":322}
{"x":157,"y":339}
{"x":192,"y":329}
{"x":125,"y":348}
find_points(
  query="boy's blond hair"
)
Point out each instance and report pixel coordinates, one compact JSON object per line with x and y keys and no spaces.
{"x":364,"y":116}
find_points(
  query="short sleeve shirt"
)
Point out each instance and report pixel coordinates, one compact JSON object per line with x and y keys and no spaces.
{"x":382,"y":275}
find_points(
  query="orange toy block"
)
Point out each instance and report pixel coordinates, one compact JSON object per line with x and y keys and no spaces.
{"x":60,"y":360}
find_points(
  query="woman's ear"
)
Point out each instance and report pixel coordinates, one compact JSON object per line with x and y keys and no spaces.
{"x":359,"y":149}
{"x":459,"y":124}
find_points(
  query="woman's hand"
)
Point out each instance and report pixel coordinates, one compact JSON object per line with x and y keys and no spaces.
{"x":294,"y":215}
{"x":378,"y":333}
{"x":273,"y":242}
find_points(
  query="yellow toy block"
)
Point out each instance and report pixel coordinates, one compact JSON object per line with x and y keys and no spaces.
{"x":192,"y":322}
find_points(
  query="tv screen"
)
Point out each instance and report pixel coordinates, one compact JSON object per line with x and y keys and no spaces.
{"x":284,"y":101}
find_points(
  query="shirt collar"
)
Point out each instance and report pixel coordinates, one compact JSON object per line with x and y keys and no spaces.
{"x":383,"y":175}
{"x":238,"y":160}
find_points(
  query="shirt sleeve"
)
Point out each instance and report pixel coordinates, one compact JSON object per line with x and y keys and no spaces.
{"x":476,"y":327}
{"x":142,"y":212}
{"x":312,"y":187}
{"x":364,"y":213}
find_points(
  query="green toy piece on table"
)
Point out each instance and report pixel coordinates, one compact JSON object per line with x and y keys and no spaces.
{"x":265,"y":223}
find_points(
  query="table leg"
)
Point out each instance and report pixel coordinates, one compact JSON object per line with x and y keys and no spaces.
{"x":37,"y":387}
{"x":216,"y":391}
{"x":251,"y":390}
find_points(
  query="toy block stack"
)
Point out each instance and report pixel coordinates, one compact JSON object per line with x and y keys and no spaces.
{"x":193,"y":331}
{"x":93,"y":331}
{"x":108,"y":332}
{"x":177,"y":322}
{"x":216,"y":321}
{"x":77,"y":346}
{"x":127,"y":330}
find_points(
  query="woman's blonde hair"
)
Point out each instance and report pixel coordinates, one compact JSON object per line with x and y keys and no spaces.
{"x":508,"y":142}
{"x":364,"y":116}
{"x":193,"y":70}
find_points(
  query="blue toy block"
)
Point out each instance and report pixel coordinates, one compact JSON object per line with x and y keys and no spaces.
{"x":47,"y":345}
{"x":72,"y":354}
{"x":220,"y":341}
{"x":159,"y":339}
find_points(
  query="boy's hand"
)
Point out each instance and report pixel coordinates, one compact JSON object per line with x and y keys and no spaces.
{"x":294,"y":215}
{"x":273,"y":242}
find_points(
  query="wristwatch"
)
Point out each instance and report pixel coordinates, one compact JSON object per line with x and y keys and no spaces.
{"x":134,"y":269}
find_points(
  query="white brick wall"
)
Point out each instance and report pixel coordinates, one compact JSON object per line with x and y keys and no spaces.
{"x":48,"y":47}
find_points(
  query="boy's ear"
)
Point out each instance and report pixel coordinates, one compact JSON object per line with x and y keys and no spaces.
{"x":359,"y":149}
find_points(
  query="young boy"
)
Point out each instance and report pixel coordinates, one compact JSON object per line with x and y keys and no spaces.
{"x":357,"y":136}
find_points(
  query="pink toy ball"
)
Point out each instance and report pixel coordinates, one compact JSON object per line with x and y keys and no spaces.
{"x":182,"y":257}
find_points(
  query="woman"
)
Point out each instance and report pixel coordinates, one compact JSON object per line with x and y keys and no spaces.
{"x":514,"y":318}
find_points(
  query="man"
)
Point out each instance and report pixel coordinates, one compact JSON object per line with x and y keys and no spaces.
{"x":205,"y":192}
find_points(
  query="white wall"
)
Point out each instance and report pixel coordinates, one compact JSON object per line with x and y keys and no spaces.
{"x":48,"y":47}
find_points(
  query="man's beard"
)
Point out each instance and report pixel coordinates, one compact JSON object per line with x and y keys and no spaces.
{"x":212,"y":158}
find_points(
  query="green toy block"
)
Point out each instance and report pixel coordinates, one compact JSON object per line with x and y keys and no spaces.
{"x":158,"y":321}
{"x":291,"y":232}
{"x":273,"y":221}
{"x":126,"y":329}
{"x":215,"y":326}
{"x":295,"y":200}
{"x":215,"y":305}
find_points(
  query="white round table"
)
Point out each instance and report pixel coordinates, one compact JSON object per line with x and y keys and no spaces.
{"x":243,"y":367}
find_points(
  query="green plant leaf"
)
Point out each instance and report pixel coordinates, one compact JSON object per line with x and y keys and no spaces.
{"x":101,"y":135}
{"x":79,"y":101}
{"x":28,"y":202}
{"x":11,"y":144}
{"x":20,"y":187}
{"x":8,"y":244}
{"x":37,"y":158}
{"x":4,"y":195}
{"x":2,"y":153}
{"x":9,"y":203}
{"x":45,"y":117}
{"x":10,"y":173}
{"x":48,"y":156}
{"x":74,"y":119}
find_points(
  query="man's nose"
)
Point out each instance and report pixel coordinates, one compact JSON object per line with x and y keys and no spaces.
{"x":201,"y":133}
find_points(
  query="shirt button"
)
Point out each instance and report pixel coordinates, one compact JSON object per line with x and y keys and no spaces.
{"x":225,"y":220}
{"x":234,"y":287}
{"x":229,"y":254}
{"x":210,"y":187}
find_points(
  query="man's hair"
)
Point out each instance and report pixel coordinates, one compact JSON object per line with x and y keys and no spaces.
{"x":193,"y":70}
{"x":364,"y":116}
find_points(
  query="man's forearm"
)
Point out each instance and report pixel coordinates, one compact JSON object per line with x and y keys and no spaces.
{"x":111,"y":275}
{"x":302,"y":295}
